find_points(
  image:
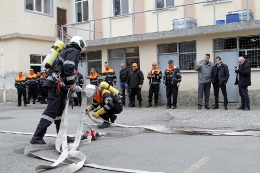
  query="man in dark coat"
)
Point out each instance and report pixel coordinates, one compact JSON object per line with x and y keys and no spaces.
{"x":134,"y":82}
{"x":243,"y":80}
{"x":219,"y":79}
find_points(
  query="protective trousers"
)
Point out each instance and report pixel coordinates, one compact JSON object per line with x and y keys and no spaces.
{"x":171,"y":91}
{"x":115,"y":109}
{"x":20,"y":94}
{"x":32,"y":93}
{"x":153,"y":90}
{"x":53,"y":112}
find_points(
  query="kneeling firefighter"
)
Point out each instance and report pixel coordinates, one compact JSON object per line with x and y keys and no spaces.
{"x":110,"y":103}
{"x":60,"y":78}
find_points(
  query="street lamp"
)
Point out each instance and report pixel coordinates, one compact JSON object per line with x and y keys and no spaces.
{"x":3,"y":75}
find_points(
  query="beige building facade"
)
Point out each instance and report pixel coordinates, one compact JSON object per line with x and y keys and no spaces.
{"x":128,"y":31}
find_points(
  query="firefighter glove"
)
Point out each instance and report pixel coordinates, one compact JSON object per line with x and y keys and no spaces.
{"x":88,"y":109}
{"x":75,"y":88}
{"x":101,"y":111}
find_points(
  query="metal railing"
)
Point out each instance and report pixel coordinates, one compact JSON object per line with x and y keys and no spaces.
{"x":73,"y":25}
{"x":61,"y":34}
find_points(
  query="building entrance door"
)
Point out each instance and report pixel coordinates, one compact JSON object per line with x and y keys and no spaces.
{"x":61,"y":20}
{"x":162,"y":65}
{"x":230,"y":59}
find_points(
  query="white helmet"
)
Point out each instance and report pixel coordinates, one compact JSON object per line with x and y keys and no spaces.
{"x":90,"y":90}
{"x":78,"y":41}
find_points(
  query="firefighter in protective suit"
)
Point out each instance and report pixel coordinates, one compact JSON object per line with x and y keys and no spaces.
{"x":110,"y":104}
{"x":60,"y":78}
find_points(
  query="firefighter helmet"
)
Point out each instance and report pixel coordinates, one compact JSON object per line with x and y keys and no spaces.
{"x":77,"y":40}
{"x":90,"y":90}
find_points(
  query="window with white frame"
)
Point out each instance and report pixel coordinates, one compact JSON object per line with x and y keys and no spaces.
{"x":120,"y":7}
{"x":39,"y":6}
{"x":81,"y":10}
{"x":164,"y":3}
{"x":36,"y":62}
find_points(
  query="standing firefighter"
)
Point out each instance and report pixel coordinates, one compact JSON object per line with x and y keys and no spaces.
{"x":110,"y":104}
{"x":93,"y":77}
{"x":109,"y":74}
{"x":32,"y":86}
{"x":20,"y":84}
{"x":154,"y":77}
{"x":171,"y":81}
{"x":60,"y":78}
{"x":79,"y":82}
{"x":42,"y":90}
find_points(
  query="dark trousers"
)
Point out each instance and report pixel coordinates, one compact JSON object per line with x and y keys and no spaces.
{"x":224,"y":92}
{"x":114,"y":109}
{"x":78,"y":99}
{"x":32,"y":93}
{"x":20,"y":94}
{"x":53,"y":112}
{"x":245,"y":101}
{"x":171,"y":94}
{"x":133,"y":92}
{"x":123,"y":88}
{"x":43,"y":93}
{"x":153,"y":91}
{"x":204,"y":88}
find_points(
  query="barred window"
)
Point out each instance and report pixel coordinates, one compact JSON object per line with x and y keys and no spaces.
{"x":187,"y":55}
{"x":225,"y":43}
{"x":249,"y":48}
{"x":129,"y":55}
{"x":94,"y":60}
{"x":167,"y":48}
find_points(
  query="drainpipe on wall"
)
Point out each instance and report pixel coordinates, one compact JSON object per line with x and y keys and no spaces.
{"x":3,"y":75}
{"x":247,"y":15}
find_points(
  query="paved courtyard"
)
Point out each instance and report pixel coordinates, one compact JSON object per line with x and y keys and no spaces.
{"x":155,"y":152}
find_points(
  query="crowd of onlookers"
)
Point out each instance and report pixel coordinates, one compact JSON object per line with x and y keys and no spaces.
{"x":131,"y":81}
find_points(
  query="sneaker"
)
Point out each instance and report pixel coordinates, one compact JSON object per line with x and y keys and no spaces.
{"x":37,"y":140}
{"x":70,"y":139}
{"x":207,"y":107}
{"x":104,"y":125}
{"x":113,"y":118}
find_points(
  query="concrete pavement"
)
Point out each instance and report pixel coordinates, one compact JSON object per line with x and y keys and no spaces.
{"x":146,"y":151}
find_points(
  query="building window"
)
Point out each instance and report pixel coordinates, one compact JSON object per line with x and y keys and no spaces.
{"x":36,"y":62}
{"x":187,"y":55}
{"x":81,"y":10}
{"x":225,"y":43}
{"x":164,"y":3}
{"x":249,"y":48}
{"x":167,"y":48}
{"x":120,"y":7}
{"x":94,"y":60}
{"x":39,"y":6}
{"x":130,"y":55}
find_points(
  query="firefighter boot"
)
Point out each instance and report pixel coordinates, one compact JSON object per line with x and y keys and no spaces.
{"x":37,"y":140}
{"x":104,"y":125}
{"x":113,"y":118}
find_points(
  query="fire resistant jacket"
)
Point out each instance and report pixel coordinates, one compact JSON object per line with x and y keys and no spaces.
{"x":93,"y":78}
{"x":110,"y":76}
{"x":32,"y":80}
{"x":105,"y":99}
{"x":20,"y":83}
{"x":158,"y":76}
